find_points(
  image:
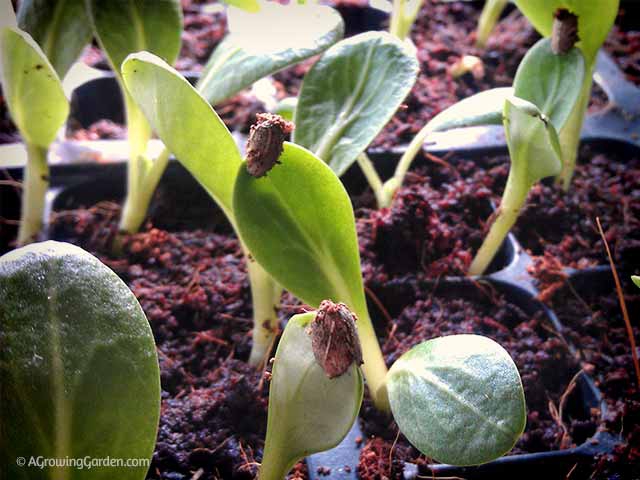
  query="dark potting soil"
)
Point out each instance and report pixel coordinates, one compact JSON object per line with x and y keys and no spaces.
{"x":546,"y":366}
{"x":593,"y":321}
{"x":435,"y":223}
{"x":192,"y":286}
{"x":563,"y":224}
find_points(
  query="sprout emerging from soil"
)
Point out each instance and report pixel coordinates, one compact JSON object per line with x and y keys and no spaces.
{"x":264,"y":144}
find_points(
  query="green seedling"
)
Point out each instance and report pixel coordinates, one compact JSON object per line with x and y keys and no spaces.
{"x":191,"y":129}
{"x":488,"y":19}
{"x":636,"y":280}
{"x":298,"y":223}
{"x":240,"y":60}
{"x":594,"y":20}
{"x":543,"y":101}
{"x":403,"y":14}
{"x":123,"y":27}
{"x":80,"y":376}
{"x":38,"y":107}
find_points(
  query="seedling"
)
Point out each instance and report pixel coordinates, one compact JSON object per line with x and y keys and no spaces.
{"x":403,"y":14}
{"x":488,"y":19}
{"x":458,"y":399}
{"x":236,"y":63}
{"x":80,"y":376}
{"x":545,"y":96}
{"x":38,"y":107}
{"x":636,"y":280}
{"x":594,"y":20}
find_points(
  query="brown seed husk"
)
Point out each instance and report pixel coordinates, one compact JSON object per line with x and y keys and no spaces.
{"x":564,"y":34}
{"x":264,"y":144}
{"x":334,"y":338}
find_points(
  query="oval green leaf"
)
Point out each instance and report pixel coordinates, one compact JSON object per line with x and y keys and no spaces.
{"x":595,"y":19}
{"x":458,"y":399}
{"x":78,"y":364}
{"x":308,"y":412}
{"x":534,"y":147}
{"x":636,"y":280}
{"x":31,"y":87}
{"x":244,"y":56}
{"x":484,"y":108}
{"x":298,"y":223}
{"x":127,"y":26}
{"x":550,"y":81}
{"x":186,"y":123}
{"x":351,"y":93}
{"x":61,"y":28}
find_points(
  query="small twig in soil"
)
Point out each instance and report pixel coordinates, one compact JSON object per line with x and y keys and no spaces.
{"x":623,"y":305}
{"x":379,"y":304}
{"x":443,"y":162}
{"x":11,"y":183}
{"x":393,"y":446}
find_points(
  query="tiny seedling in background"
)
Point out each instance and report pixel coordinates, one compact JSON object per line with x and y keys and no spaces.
{"x":554,"y":18}
{"x":636,"y":280}
{"x":38,"y":107}
{"x":488,"y":19}
{"x":403,"y":15}
{"x":124,"y":27}
{"x":544,"y":97}
{"x":78,"y":363}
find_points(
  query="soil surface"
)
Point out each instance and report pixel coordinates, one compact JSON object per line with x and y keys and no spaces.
{"x":593,"y":321}
{"x":563,"y":224}
{"x":430,"y":310}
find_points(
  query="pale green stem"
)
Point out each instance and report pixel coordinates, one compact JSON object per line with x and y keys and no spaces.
{"x":391,"y":185}
{"x":374,"y":367}
{"x":143,"y":173}
{"x":402,"y":17}
{"x":35,"y":185}
{"x":273,"y":466}
{"x":265,"y":297}
{"x":369,"y":170}
{"x":570,"y":133}
{"x":488,"y":19}
{"x":515,"y":194}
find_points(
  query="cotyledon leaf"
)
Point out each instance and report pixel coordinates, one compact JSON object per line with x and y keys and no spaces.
{"x":78,"y":363}
{"x":245,"y":55}
{"x":128,"y":26}
{"x":550,"y":81}
{"x":308,"y":411}
{"x":186,"y":123}
{"x":458,"y":399}
{"x":61,"y":28}
{"x":351,"y":93}
{"x":595,"y":18}
{"x":31,"y":87}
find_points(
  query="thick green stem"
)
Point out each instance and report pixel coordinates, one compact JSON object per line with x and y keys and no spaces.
{"x":265,"y":296}
{"x":35,"y":185}
{"x":367,"y":167}
{"x":515,"y":194}
{"x":570,"y":134}
{"x":488,"y":19}
{"x":374,"y":366}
